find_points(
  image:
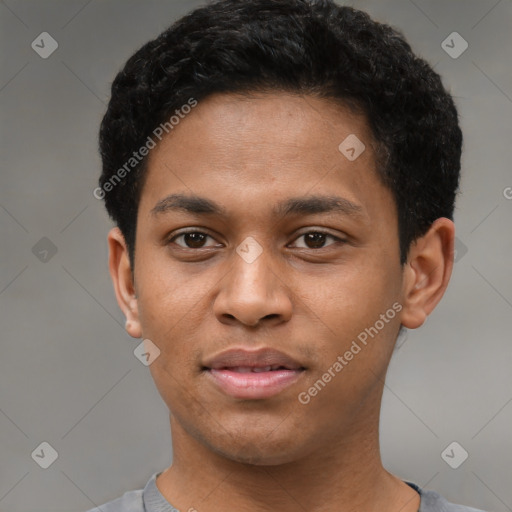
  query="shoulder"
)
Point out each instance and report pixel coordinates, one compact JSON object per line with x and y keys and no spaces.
{"x":130,"y":501}
{"x":431,"y":501}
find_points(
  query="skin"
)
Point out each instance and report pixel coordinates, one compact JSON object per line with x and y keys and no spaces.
{"x":309,"y":300}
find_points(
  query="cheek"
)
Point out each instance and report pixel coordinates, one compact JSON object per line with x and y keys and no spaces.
{"x":353,"y":298}
{"x":168,"y":293}
{"x":358,"y":324}
{"x":175,"y":314}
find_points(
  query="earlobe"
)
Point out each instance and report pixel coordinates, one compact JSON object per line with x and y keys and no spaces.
{"x":427,"y":272}
{"x":121,"y":274}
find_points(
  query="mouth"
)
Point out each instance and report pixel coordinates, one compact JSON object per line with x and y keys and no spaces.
{"x":253,"y":375}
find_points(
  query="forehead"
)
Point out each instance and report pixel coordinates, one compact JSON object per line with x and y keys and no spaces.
{"x":253,"y":150}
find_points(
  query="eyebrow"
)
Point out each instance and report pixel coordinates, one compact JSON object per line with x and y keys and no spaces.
{"x":310,"y":205}
{"x":189,"y":204}
{"x":306,"y":205}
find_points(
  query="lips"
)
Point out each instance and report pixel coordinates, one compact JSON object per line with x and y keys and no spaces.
{"x":257,"y":369}
{"x":252,"y":374}
{"x":262,"y":358}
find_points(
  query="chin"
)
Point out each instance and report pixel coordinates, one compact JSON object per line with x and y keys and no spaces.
{"x":258,"y":449}
{"x":260,"y":438}
{"x":258,"y":457}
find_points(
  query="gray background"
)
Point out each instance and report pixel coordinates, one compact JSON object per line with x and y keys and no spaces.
{"x":68,"y":375}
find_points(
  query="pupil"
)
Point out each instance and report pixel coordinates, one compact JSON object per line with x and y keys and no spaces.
{"x":317,"y":239}
{"x":194,"y":240}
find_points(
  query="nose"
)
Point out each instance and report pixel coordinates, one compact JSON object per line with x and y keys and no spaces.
{"x":253,"y":293}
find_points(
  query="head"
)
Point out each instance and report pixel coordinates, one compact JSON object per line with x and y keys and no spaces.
{"x":312,"y":138}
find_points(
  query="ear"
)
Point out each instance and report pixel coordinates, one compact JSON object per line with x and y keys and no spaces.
{"x":121,"y":274}
{"x":427,"y":272}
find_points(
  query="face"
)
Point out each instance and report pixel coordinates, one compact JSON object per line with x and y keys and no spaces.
{"x":293,"y":248}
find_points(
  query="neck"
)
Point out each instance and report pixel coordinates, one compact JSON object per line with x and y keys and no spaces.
{"x":342,"y":474}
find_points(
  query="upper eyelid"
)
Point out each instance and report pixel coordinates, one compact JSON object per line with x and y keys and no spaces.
{"x":316,"y":230}
{"x":186,"y":231}
{"x":173,"y":237}
{"x":334,"y":237}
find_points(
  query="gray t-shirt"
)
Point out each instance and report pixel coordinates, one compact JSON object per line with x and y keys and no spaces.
{"x":150,"y":499}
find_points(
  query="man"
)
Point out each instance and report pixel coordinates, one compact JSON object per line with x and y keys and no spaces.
{"x":282,"y":174}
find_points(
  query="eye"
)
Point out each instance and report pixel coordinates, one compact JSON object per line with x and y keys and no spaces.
{"x":192,"y":240}
{"x":316,"y":240}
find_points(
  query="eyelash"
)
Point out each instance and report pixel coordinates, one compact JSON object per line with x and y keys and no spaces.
{"x":328,"y":235}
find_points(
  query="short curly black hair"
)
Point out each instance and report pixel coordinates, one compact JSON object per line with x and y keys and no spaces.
{"x":302,"y":46}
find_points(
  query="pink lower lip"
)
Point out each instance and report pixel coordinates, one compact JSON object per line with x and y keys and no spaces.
{"x":253,"y":385}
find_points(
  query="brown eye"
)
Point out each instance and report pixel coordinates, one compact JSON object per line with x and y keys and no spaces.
{"x":192,"y":240}
{"x":315,"y":240}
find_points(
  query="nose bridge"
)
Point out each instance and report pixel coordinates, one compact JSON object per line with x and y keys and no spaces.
{"x":252,"y":289}
{"x":252,"y":273}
